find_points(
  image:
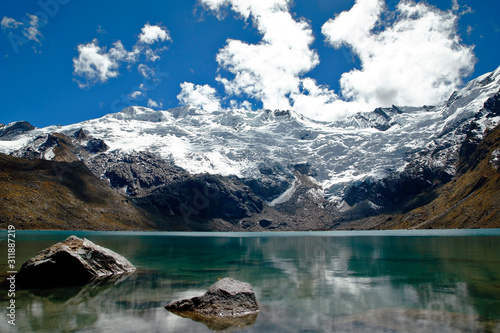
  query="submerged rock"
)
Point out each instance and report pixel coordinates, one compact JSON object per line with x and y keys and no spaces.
{"x":72,"y":262}
{"x":224,"y":299}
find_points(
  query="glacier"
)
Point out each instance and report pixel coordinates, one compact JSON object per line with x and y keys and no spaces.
{"x":273,"y":143}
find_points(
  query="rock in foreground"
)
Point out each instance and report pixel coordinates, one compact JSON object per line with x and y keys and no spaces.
{"x":72,"y":262}
{"x":225,"y":298}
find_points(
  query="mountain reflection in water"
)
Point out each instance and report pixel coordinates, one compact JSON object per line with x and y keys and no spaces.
{"x":305,"y":282}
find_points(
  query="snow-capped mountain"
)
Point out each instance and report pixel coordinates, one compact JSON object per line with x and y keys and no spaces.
{"x":346,"y":160}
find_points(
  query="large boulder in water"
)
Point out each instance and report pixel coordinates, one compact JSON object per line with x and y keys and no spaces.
{"x":228,"y":303}
{"x":225,"y":298}
{"x":72,"y":262}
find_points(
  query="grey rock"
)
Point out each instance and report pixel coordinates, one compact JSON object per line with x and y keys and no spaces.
{"x":493,"y":104}
{"x":80,"y":135}
{"x":225,"y":298}
{"x":203,"y":197}
{"x":136,"y":174}
{"x":61,"y":147}
{"x":72,"y":262}
{"x":95,"y":146}
{"x":11,"y":131}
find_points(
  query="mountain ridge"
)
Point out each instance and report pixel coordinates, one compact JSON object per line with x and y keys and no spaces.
{"x":387,"y":161}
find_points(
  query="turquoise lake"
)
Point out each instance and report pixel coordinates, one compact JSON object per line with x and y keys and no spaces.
{"x":397,"y":281}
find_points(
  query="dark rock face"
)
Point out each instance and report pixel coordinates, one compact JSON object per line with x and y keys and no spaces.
{"x":265,"y":223}
{"x":225,"y":298}
{"x":18,"y":128}
{"x":469,"y":146}
{"x":493,"y":104}
{"x":139,"y":174}
{"x":95,"y":146}
{"x":80,"y":135}
{"x":268,"y":188}
{"x":72,"y":262}
{"x":396,"y":193}
{"x":380,"y":119}
{"x":202,"y":197}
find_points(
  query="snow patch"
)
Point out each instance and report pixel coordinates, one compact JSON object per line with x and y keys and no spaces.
{"x":49,"y":154}
{"x":495,"y":159}
{"x":287,"y":195}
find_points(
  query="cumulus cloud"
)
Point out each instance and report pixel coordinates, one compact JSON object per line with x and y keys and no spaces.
{"x":203,"y":97}
{"x":96,"y":64}
{"x":416,"y":59}
{"x":153,"y":104}
{"x":93,"y":64}
{"x":268,"y":71}
{"x":153,"y":33}
{"x":320,"y":102}
{"x":135,"y":94}
{"x":412,"y":56}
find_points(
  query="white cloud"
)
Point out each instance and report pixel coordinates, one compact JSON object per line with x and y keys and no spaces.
{"x":146,"y":71}
{"x":30,"y":26}
{"x":9,"y":23}
{"x":418,"y":59}
{"x":153,"y":55}
{"x":32,"y":31}
{"x":94,"y":64}
{"x":153,"y":104}
{"x":119,"y":53}
{"x":153,"y":33}
{"x":198,"y":96}
{"x":456,"y":8}
{"x":321,"y":103}
{"x":135,"y":94}
{"x":268,"y":71}
{"x":237,"y":105}
{"x":469,"y":30}
{"x":412,"y":56}
{"x":215,"y":5}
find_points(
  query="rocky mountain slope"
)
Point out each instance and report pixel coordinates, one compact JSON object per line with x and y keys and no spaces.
{"x":470,"y":200}
{"x":41,"y":194}
{"x":273,"y":170}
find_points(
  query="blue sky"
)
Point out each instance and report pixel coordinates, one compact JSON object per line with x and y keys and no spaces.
{"x":65,"y":61}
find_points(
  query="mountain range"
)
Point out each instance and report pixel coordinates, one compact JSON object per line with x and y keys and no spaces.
{"x":187,"y":169}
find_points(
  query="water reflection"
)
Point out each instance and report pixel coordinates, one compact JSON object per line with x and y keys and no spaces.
{"x":222,"y":324}
{"x":304,"y":284}
{"x":84,"y":291}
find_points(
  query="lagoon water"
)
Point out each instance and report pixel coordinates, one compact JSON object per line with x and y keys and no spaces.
{"x":399,"y":281}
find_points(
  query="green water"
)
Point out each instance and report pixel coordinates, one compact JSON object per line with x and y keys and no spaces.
{"x":409,"y":281}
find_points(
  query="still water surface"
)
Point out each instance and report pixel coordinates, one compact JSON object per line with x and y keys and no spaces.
{"x":406,"y":281}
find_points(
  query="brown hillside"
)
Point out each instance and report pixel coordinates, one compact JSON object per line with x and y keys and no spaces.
{"x":40,"y":194}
